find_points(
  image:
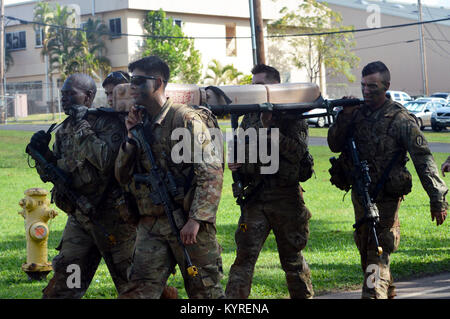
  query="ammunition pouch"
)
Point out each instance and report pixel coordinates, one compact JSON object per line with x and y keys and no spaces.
{"x":399,"y":183}
{"x":306,"y":167}
{"x":62,"y":202}
{"x":340,"y":172}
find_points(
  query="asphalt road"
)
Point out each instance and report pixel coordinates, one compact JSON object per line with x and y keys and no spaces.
{"x":320,"y":141}
{"x":433,"y":287}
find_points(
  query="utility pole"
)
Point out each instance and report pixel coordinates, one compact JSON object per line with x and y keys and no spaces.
{"x":258,"y":30}
{"x":2,"y":61}
{"x":422,"y":52}
{"x":252,"y":28}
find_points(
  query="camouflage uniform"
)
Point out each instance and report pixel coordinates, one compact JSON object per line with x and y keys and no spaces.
{"x":157,"y":251}
{"x":275,"y":204}
{"x":379,"y":136}
{"x":86,"y":150}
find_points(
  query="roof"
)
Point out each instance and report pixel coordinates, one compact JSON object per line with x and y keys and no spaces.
{"x":230,"y":8}
{"x":398,"y":9}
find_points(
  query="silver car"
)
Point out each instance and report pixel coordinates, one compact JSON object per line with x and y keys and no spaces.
{"x":423,"y":110}
{"x":440,"y":119}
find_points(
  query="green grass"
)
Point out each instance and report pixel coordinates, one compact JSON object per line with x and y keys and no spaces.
{"x":330,"y":253}
{"x":38,"y":119}
{"x":431,"y":137}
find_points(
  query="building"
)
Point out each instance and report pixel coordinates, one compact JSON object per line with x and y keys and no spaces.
{"x":398,"y":48}
{"x":212,"y":23}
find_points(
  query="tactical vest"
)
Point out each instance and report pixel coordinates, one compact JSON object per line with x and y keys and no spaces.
{"x":377,"y":142}
{"x":161,"y":144}
{"x":288,"y":173}
{"x":86,"y":178}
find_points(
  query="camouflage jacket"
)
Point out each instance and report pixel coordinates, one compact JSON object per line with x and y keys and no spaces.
{"x":86,"y":150}
{"x":199,"y":179}
{"x":379,"y":135}
{"x":293,"y":144}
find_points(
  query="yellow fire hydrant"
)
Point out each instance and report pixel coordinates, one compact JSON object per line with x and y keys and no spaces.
{"x":36,"y":212}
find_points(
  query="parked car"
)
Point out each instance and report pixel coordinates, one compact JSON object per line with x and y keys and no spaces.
{"x":443,"y":95}
{"x":432,"y":99}
{"x":399,"y":96}
{"x":440,"y":118}
{"x":423,"y":110}
{"x":318,"y":121}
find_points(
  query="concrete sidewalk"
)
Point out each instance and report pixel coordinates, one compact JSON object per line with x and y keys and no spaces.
{"x":433,"y":287}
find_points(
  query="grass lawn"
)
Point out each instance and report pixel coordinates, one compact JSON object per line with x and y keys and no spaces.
{"x":330,"y":253}
{"x":38,"y":119}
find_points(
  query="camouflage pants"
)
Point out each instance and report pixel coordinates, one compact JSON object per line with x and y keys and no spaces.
{"x":378,"y":281}
{"x":157,"y":252}
{"x":285,"y":213}
{"x":84,"y":248}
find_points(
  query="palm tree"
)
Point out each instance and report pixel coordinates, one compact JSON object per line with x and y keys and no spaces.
{"x":43,"y":15}
{"x":69,"y":51}
{"x":222,"y":75}
{"x":96,"y":61}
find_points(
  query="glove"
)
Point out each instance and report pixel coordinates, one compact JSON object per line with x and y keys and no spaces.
{"x":40,"y":140}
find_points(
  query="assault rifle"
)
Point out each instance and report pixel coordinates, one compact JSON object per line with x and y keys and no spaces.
{"x":361,"y":184}
{"x":62,"y":182}
{"x":161,"y":191}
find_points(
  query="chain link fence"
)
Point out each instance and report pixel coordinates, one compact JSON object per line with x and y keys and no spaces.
{"x":25,"y":99}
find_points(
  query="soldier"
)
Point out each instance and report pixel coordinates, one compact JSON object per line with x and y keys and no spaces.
{"x":445,"y":166}
{"x":157,"y":251}
{"x":276,"y":204}
{"x":85,"y":148}
{"x":110,"y":82}
{"x":384,"y":131}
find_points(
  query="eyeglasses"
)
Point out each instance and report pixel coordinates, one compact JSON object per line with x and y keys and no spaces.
{"x":117,"y":75}
{"x":141,"y":79}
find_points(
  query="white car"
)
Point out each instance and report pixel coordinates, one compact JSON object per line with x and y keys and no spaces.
{"x":432,"y":99}
{"x":319,"y":121}
{"x":423,"y":110}
{"x":399,"y":96}
{"x":443,"y":95}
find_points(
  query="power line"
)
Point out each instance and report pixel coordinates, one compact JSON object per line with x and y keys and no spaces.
{"x":440,"y":46}
{"x":438,"y":53}
{"x":437,"y":26}
{"x":240,"y":37}
{"x":386,"y":44}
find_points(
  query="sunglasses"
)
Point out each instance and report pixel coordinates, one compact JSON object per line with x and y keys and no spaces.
{"x":117,"y":75}
{"x":141,"y":79}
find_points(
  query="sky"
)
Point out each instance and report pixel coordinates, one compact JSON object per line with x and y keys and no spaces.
{"x":445,"y":3}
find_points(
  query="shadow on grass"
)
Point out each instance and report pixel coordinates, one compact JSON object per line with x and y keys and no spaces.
{"x":323,"y":236}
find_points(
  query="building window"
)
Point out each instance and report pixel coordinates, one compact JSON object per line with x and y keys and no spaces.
{"x":115,"y":27}
{"x":16,"y":40}
{"x":39,"y":35}
{"x":177,"y":22}
{"x":230,"y":33}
